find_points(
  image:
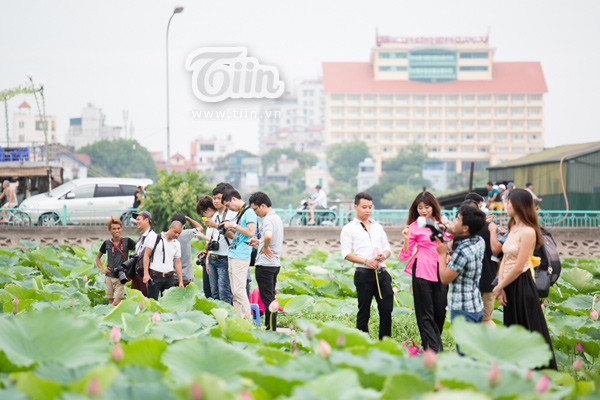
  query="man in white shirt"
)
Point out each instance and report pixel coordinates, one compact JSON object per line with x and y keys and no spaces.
{"x":142,"y":220}
{"x":318,"y":201}
{"x":162,"y":259}
{"x":529,"y":188}
{"x":365,"y":243}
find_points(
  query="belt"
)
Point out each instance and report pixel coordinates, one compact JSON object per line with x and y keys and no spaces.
{"x":217,"y":257}
{"x":163,"y":274}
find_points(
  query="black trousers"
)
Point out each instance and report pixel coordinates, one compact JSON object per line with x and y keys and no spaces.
{"x":431,"y":299}
{"x":266,"y":277}
{"x":366,"y":287}
{"x":159,"y":284}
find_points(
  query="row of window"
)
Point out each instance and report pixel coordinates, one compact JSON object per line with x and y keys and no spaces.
{"x":434,"y":125}
{"x":446,"y":56}
{"x":436,"y":112}
{"x":474,"y":68}
{"x":394,"y":68}
{"x":433,"y":98}
{"x":448,"y":138}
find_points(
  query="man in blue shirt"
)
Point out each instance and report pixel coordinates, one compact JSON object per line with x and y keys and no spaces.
{"x":244,"y":226}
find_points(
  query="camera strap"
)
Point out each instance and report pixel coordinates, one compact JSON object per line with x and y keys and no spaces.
{"x":218,"y":222}
{"x":118,"y":248}
{"x":158,"y":239}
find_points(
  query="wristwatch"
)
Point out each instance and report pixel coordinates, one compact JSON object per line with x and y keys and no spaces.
{"x":235,"y":225}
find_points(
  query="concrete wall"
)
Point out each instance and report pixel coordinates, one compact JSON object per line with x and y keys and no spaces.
{"x":572,"y":242}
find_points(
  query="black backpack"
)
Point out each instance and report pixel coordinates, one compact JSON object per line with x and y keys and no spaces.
{"x":549,"y":270}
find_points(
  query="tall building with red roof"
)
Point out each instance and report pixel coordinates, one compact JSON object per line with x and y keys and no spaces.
{"x":443,"y":92}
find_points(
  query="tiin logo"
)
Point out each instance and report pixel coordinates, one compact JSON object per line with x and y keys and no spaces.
{"x":219,"y":73}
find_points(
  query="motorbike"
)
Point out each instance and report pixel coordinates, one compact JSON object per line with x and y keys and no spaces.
{"x":323,"y":217}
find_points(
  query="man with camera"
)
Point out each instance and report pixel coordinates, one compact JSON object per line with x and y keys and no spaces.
{"x":116,"y":250}
{"x":240,"y":251}
{"x":217,"y":243}
{"x":162,"y":259}
{"x":185,"y":241}
{"x":142,"y":220}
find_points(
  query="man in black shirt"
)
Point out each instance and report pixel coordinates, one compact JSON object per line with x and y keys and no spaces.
{"x":116,"y":250}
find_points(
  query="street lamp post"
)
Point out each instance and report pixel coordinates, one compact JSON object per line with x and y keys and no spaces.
{"x":176,"y":10}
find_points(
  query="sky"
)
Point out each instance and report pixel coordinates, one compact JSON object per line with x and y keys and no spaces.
{"x":112,"y":54}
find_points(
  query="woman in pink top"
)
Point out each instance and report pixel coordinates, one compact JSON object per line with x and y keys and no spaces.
{"x":430,"y":295}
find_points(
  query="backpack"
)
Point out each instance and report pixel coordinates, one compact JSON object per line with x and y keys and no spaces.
{"x":548,"y":272}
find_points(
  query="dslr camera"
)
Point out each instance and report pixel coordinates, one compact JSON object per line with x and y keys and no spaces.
{"x":434,"y":227}
{"x":213,"y":245}
{"x":127,"y":267}
{"x":201,"y":259}
{"x":121,"y":274}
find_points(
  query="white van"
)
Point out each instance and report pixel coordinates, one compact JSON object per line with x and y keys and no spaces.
{"x":88,"y":201}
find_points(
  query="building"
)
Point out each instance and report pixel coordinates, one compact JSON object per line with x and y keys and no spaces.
{"x":294,"y":112}
{"x":74,"y":165}
{"x":574,"y":167}
{"x":317,"y":175}
{"x":444,"y":92}
{"x":435,"y":172}
{"x":90,"y":128}
{"x":205,"y":153}
{"x":302,"y":139}
{"x":28,"y":128}
{"x":178,"y":162}
{"x":367,"y":174}
{"x":279,"y":173}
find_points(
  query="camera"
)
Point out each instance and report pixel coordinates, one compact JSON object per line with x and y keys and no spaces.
{"x":212,"y":246}
{"x":120,"y":272}
{"x":222,"y":229}
{"x":128,"y":267}
{"x":201,"y":259}
{"x":436,"y":231}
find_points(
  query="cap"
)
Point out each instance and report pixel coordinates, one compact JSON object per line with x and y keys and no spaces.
{"x":318,"y":187}
{"x":510,"y":185}
{"x":495,"y":187}
{"x":502,"y":186}
{"x":145,"y":214}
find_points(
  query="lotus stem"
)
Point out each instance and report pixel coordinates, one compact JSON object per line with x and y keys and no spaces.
{"x":378,"y":287}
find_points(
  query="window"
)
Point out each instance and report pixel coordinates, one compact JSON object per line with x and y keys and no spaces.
{"x":402,"y":98}
{"x":500,"y":137}
{"x":128,"y":190}
{"x":370,"y":98}
{"x":534,"y":98}
{"x":337,"y":124}
{"x":517,"y":111}
{"x":518,"y":149}
{"x":419,"y":125}
{"x":516,"y":97}
{"x":353,"y":124}
{"x":485,"y":98}
{"x":386,"y":124}
{"x":402,"y":124}
{"x":435,"y":99}
{"x":435,"y":125}
{"x":21,"y":124}
{"x":39,"y":126}
{"x":385,"y":68}
{"x":434,"y":137}
{"x":468,"y":98}
{"x":337,"y":110}
{"x":500,"y":124}
{"x":483,"y":149}
{"x":418,"y":112}
{"x":451,"y":149}
{"x":483,"y":124}
{"x":354,"y":111}
{"x":483,"y":137}
{"x":434,"y":149}
{"x":484,"y":111}
{"x":386,"y":98}
{"x":451,"y":112}
{"x":337,"y":98}
{"x":392,"y":55}
{"x":533,"y":124}
{"x":435,"y":112}
{"x":84,"y":192}
{"x":369,"y":111}
{"x":451,"y":124}
{"x":478,"y":54}
{"x":401,"y":137}
{"x":533,"y":111}
{"x":402,"y":111}
{"x":501,"y":98}
{"x":516,"y":124}
{"x":451,"y":99}
{"x":419,"y":99}
{"x":450,"y":138}
{"x":502,"y":149}
{"x":474,"y":68}
{"x":467,"y":124}
{"x":385,"y":111}
{"x":467,"y":149}
{"x":387,"y":137}
{"x":468,"y":111}
{"x":468,"y":138}
{"x":533,"y":138}
{"x":500,"y":111}
{"x":107,"y":191}
{"x":354,"y":98}
{"x":517,"y":137}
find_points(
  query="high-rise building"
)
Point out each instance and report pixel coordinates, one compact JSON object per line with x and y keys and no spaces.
{"x":90,"y":128}
{"x":446,"y":93}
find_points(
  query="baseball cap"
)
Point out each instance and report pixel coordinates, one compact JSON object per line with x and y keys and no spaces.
{"x":145,"y":214}
{"x":502,"y":186}
{"x":318,"y":187}
{"x":510,"y":185}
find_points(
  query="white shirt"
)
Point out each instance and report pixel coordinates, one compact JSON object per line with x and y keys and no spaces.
{"x":171,"y":249}
{"x":147,"y":237}
{"x":321,"y":199}
{"x":356,"y":240}
{"x":532,"y":194}
{"x":213,"y":233}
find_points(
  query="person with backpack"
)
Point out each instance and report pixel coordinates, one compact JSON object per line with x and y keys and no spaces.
{"x":143,"y":219}
{"x":162,"y":259}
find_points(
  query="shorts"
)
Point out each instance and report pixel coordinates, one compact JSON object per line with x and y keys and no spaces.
{"x":496,"y":206}
{"x":114,"y":288}
{"x":488,"y":305}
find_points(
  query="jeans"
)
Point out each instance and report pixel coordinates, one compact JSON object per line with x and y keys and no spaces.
{"x":206,"y":284}
{"x":159,"y":284}
{"x":266,"y":277}
{"x":219,"y":279}
{"x":474,"y":317}
{"x":366,"y":288}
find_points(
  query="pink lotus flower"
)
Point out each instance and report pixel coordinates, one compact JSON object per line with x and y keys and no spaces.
{"x":579,"y":347}
{"x":141,"y":305}
{"x":494,"y":375}
{"x":93,"y":387}
{"x":155,"y":317}
{"x":15,"y":310}
{"x":293,"y":343}
{"x":246,"y":395}
{"x":429,"y":359}
{"x":412,"y":350}
{"x":309,"y":332}
{"x":324,"y":348}
{"x":594,"y":314}
{"x":529,"y":375}
{"x":16,"y":301}
{"x":542,"y":384}
{"x":395,"y":290}
{"x":341,"y":341}
{"x":117,"y":353}
{"x":71,"y":303}
{"x":296,"y":352}
{"x":342,"y":264}
{"x":274,"y":306}
{"x":196,"y":391}
{"x":577,"y":365}
{"x":115,"y":334}
{"x":331,"y":276}
{"x":85,"y":278}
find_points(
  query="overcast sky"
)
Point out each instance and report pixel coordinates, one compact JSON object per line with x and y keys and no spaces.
{"x":112,"y":53}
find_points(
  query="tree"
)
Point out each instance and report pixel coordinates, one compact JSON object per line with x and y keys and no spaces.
{"x":343,"y":159}
{"x":174,"y":193}
{"x":305,"y":160}
{"x":121,"y":157}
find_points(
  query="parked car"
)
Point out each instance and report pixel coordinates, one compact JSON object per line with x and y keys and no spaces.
{"x":88,"y":201}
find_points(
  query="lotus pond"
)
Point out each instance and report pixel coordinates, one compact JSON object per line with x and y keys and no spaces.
{"x":59,"y":339}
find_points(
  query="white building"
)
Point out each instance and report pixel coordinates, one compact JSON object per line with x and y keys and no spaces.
{"x":28,"y":129}
{"x":367,"y":174}
{"x":74,"y":165}
{"x":90,"y":128}
{"x":206,"y":152}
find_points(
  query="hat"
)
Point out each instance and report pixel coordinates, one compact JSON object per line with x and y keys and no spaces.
{"x":495,"y":187}
{"x":318,"y":187}
{"x":502,"y":186}
{"x":510,"y":185}
{"x":145,"y":214}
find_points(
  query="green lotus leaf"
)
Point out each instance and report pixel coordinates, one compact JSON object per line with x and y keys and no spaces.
{"x":147,"y":351}
{"x":59,"y":373}
{"x":581,"y":279}
{"x":191,"y":357}
{"x":455,"y":395}
{"x":332,"y":289}
{"x":404,"y":385}
{"x":174,"y":330}
{"x":576,"y":305}
{"x":82,"y":270}
{"x":105,"y":375}
{"x":37,"y":388}
{"x":30,"y":244}
{"x":135,"y":324}
{"x":273,"y":356}
{"x":139,"y":391}
{"x":142,"y":373}
{"x":341,"y":384}
{"x":212,"y":387}
{"x":331,"y":331}
{"x":278,"y":380}
{"x":519,"y":346}
{"x":124,"y":307}
{"x":13,"y":393}
{"x":298,"y":303}
{"x":179,"y":299}
{"x":51,"y":336}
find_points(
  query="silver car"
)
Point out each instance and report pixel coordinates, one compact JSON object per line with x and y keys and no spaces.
{"x":88,"y":201}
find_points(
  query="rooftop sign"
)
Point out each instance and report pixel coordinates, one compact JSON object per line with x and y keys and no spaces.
{"x":433,"y":40}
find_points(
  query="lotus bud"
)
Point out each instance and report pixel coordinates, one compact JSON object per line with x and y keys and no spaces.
{"x":324,"y":348}
{"x":579,"y":347}
{"x":597,"y":299}
{"x":16,"y":301}
{"x":529,"y":375}
{"x":36,"y":267}
{"x":310,"y":333}
{"x":117,"y":353}
{"x":395,"y":290}
{"x":246,"y":395}
{"x":542,"y":384}
{"x":115,"y":334}
{"x":93,"y":387}
{"x":15,"y":310}
{"x":293,"y":343}
{"x":274,"y":306}
{"x":577,"y":365}
{"x":594,"y":314}
{"x":155,"y":317}
{"x":296,"y":352}
{"x":429,"y":359}
{"x":494,"y":375}
{"x":71,"y":303}
{"x":341,"y":341}
{"x":141,"y":305}
{"x":331,"y":276}
{"x":342,"y":264}
{"x":196,"y":391}
{"x":546,"y":303}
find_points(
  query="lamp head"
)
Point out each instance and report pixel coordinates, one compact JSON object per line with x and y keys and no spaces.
{"x":178,"y":9}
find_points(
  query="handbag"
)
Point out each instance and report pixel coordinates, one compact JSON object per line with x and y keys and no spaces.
{"x":543,"y":281}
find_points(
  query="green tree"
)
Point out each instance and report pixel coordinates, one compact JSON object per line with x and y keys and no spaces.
{"x":174,"y":193}
{"x":343,"y":159}
{"x":121,"y":157}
